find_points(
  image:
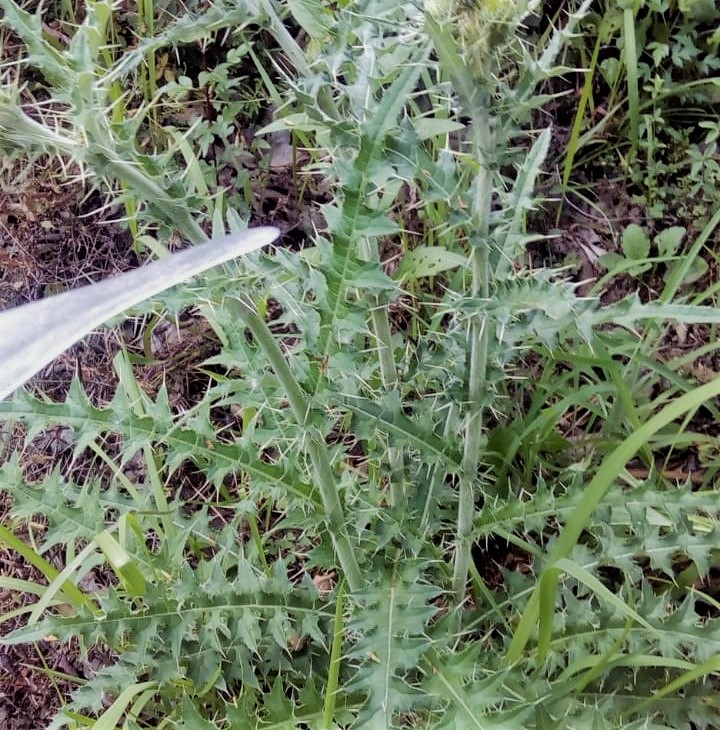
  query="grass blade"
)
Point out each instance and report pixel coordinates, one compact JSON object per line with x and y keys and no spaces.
{"x":603,"y":480}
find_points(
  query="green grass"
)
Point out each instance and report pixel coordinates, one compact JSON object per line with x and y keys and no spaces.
{"x":431,"y":509}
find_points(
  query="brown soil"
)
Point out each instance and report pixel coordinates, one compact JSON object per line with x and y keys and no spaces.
{"x":36,"y":677}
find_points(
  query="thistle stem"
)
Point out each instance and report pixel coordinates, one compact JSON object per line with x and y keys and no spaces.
{"x":299,"y":404}
{"x":380,"y":325}
{"x":473,"y":431}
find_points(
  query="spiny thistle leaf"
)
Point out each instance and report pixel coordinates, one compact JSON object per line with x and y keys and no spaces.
{"x":183,"y":442}
{"x":392,"y":624}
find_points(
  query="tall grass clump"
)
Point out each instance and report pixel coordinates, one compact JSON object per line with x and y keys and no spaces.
{"x":412,"y":534}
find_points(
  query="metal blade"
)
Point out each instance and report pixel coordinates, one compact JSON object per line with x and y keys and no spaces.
{"x":34,"y":334}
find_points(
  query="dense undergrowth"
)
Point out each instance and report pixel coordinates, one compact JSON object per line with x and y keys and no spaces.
{"x":413,"y":400}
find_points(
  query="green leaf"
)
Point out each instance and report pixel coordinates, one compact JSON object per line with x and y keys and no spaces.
{"x":668,"y":241}
{"x":700,"y":11}
{"x":407,"y":430}
{"x":122,"y":564}
{"x":635,"y":243}
{"x":298,"y":122}
{"x":392,"y":630}
{"x":312,"y":16}
{"x":190,"y":719}
{"x":472,"y":695}
{"x":32,"y":335}
{"x":279,"y":708}
{"x":521,"y":200}
{"x":183,"y":442}
{"x":428,"y":261}
{"x":429,"y":127}
{"x":694,"y":272}
{"x":631,"y":310}
{"x":69,"y":591}
{"x":611,"y":260}
{"x":111,"y":717}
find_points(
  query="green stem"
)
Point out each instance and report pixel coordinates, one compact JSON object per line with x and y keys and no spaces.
{"x":335,"y":660}
{"x":380,"y":324}
{"x":480,"y":263}
{"x":631,"y":71}
{"x":326,"y":482}
{"x":472,"y":92}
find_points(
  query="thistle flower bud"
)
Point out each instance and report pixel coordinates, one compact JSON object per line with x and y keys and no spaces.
{"x":481,"y":27}
{"x":440,"y":10}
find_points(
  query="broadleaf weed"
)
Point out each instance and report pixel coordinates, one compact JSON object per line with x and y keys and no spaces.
{"x":426,"y":523}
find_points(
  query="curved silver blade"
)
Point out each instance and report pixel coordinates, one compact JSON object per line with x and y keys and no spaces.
{"x":34,"y":334}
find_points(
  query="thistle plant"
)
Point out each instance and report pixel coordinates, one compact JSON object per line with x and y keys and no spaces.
{"x":383,"y":429}
{"x":466,"y":50}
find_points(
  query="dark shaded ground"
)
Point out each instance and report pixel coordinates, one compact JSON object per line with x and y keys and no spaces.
{"x":35,"y":677}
